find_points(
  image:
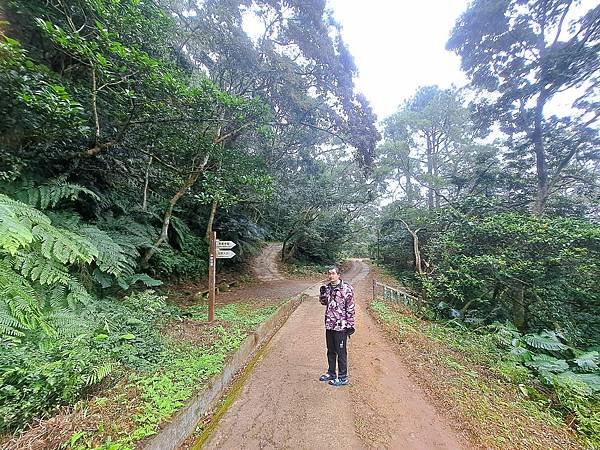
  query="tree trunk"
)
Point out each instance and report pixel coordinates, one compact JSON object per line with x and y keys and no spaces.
{"x":540,"y":157}
{"x":145,"y":199}
{"x":518,"y":308}
{"x":169,"y":211}
{"x":211,"y":219}
{"x":409,"y":188}
{"x":430,"y":204}
{"x":416,"y":250}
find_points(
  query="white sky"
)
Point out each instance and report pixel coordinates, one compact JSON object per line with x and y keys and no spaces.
{"x":399,"y":45}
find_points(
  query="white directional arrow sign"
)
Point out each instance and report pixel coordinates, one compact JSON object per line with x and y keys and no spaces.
{"x":225,"y":253}
{"x":225,"y":245}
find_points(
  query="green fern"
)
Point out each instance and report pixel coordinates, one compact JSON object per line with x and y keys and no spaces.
{"x":44,"y":271}
{"x":181,"y":230}
{"x":99,"y":373}
{"x":16,"y":222}
{"x":126,"y":230}
{"x":77,"y":295}
{"x":112,"y":258}
{"x":51,"y":193}
{"x":64,"y":245}
{"x":19,"y":300}
{"x":9,"y":326}
{"x":66,"y":323}
{"x":34,"y":260}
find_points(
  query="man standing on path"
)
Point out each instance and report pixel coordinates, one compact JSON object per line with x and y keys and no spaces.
{"x":338,"y":298}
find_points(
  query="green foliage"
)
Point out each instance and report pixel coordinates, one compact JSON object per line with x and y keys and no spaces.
{"x":575,"y":396}
{"x":512,"y":372}
{"x":35,"y":381}
{"x":491,"y":37}
{"x":39,"y":263}
{"x":43,"y":373}
{"x":588,"y":360}
{"x":34,"y":106}
{"x":49,"y":194}
{"x":546,"y":340}
{"x":487,"y":263}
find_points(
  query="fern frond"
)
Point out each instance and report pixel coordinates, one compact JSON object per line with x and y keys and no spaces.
{"x":19,"y":299}
{"x":66,"y":323}
{"x":181,"y":230}
{"x":66,"y":246}
{"x":23,"y":210}
{"x":44,"y":271}
{"x":56,"y":296}
{"x":112,"y":258}
{"x":51,"y":193}
{"x":99,"y":373}
{"x":77,"y":295}
{"x":16,"y":222}
{"x":9,"y":326}
{"x":126,"y":229}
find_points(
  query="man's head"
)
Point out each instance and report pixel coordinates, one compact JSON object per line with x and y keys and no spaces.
{"x":333,"y":274}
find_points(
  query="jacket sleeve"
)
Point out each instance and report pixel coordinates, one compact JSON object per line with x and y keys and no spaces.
{"x":324,"y":297}
{"x":350,"y":308}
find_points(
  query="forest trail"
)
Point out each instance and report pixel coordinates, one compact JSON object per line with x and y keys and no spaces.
{"x":283,"y":405}
{"x":264,"y":265}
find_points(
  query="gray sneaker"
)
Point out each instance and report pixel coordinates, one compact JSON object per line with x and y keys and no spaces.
{"x":339,"y":382}
{"x":327,"y":377}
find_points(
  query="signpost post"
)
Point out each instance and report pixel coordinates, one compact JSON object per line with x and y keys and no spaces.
{"x":212,"y":270}
{"x":216,"y":250}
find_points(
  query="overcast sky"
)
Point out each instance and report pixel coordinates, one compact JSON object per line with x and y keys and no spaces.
{"x":399,"y":46}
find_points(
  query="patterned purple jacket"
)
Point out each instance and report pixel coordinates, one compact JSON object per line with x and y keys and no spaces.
{"x":339,"y":302}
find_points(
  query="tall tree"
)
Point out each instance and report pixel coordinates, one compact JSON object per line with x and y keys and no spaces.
{"x":430,"y":144}
{"x":525,"y":53}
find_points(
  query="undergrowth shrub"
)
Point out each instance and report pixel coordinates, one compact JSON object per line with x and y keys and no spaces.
{"x":45,"y":372}
{"x":34,"y":381}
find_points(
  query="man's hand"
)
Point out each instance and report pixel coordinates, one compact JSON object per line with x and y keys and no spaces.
{"x":350,"y":331}
{"x":322,"y":290}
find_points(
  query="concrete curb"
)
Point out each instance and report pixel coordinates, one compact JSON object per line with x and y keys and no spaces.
{"x":183,"y":424}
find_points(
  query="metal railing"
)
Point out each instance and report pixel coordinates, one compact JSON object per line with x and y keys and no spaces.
{"x":396,"y":295}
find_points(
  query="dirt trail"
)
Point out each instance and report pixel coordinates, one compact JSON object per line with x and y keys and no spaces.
{"x":283,"y":405}
{"x":265,"y":265}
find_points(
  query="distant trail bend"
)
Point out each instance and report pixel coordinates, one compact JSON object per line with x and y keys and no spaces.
{"x":265,"y":265}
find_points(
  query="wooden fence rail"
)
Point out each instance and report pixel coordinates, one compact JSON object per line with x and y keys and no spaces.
{"x":397,"y":295}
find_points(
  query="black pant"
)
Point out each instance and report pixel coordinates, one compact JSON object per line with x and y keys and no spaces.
{"x":336,"y":349}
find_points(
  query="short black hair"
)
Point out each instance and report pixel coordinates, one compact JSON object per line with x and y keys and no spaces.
{"x":336,"y":268}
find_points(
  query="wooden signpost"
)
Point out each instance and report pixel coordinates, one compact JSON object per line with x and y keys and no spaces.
{"x":216,"y":250}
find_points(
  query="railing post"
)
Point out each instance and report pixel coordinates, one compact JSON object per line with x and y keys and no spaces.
{"x":374,"y":288}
